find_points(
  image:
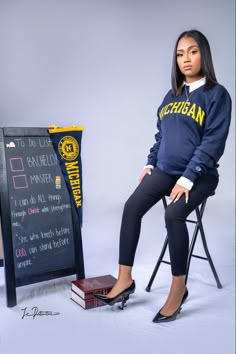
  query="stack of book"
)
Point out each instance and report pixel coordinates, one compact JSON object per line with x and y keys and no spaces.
{"x":83,"y":290}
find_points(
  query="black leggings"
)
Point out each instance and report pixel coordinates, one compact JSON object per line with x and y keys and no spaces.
{"x":152,"y":188}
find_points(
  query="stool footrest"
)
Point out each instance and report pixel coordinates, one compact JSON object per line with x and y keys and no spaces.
{"x":196,"y":256}
{"x":166,"y":262}
{"x":192,"y":221}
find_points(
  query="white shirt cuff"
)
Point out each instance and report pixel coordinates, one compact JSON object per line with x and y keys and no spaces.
{"x":185,"y":182}
{"x":148,"y":166}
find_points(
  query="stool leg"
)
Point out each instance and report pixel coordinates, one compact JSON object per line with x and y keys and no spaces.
{"x":194,"y":237}
{"x":148,"y":288}
{"x":219,"y":285}
{"x":190,"y":252}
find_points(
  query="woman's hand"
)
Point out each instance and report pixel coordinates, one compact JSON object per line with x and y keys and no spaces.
{"x":147,"y":171}
{"x":177,"y":192}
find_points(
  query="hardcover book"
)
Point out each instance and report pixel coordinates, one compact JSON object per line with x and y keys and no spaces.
{"x":86,"y":304}
{"x":86,"y":288}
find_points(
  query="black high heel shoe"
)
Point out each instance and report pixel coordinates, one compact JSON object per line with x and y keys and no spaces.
{"x":123,"y":296}
{"x":159,"y":318}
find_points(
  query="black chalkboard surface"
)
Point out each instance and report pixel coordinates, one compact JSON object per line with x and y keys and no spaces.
{"x":40,"y":231}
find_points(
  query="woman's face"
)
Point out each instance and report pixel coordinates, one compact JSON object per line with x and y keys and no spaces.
{"x":188,"y":59}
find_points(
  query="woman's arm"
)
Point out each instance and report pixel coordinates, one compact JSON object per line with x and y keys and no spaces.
{"x":212,"y":146}
{"x":152,"y":157}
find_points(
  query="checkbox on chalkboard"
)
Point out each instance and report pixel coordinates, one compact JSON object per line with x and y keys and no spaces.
{"x":20,"y":181}
{"x":16,"y":164}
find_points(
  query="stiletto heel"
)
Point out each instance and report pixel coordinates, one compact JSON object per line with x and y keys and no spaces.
{"x":124,"y":300}
{"x":123,"y":296}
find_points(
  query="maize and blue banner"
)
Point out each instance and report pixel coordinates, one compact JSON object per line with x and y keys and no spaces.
{"x":67,"y":145}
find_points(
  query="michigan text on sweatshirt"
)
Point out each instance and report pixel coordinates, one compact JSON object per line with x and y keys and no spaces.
{"x":192,"y":133}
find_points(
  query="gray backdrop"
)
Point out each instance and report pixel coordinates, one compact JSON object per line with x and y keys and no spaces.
{"x":105,"y":64}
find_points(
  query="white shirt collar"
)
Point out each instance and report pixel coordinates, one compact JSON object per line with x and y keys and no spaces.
{"x":196,"y":84}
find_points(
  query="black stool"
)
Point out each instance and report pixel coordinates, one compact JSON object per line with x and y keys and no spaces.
{"x":198,"y":227}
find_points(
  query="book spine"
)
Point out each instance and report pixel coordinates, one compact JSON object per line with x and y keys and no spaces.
{"x":89,"y":304}
{"x":92,"y":304}
{"x":89,"y":295}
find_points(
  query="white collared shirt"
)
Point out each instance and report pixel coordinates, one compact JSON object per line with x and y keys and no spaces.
{"x":196,"y":84}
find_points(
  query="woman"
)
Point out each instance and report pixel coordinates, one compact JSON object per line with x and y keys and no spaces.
{"x":193,"y":124}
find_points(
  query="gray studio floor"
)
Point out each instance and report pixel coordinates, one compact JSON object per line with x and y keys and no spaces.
{"x":206,"y":323}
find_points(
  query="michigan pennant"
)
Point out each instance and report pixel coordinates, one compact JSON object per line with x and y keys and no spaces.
{"x":67,"y":145}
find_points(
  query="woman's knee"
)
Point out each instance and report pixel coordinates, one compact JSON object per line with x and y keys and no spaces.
{"x":173,"y":214}
{"x":133,"y":206}
{"x":130,"y":205}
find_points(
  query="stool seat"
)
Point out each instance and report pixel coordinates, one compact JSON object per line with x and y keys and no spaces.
{"x":199,"y":210}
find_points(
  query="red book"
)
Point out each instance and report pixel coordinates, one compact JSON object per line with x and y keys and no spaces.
{"x":86,"y":304}
{"x":86,"y":288}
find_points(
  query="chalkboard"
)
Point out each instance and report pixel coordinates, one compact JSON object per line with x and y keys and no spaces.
{"x":40,"y":231}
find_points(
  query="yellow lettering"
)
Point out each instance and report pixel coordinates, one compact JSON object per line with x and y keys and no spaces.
{"x":78,"y":201}
{"x":182,"y":103}
{"x":192,"y":111}
{"x":161,"y":113}
{"x":200,"y":116}
{"x":75,"y":182}
{"x":71,"y":165}
{"x":72,"y":170}
{"x":76,"y":191}
{"x":167,"y":107}
{"x":73,"y":175}
{"x":175,"y":107}
{"x":185,"y":108}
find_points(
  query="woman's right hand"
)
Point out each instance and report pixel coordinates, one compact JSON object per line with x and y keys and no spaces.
{"x":146,"y":171}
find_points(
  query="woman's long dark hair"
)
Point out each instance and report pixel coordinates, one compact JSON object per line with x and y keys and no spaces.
{"x":207,"y":68}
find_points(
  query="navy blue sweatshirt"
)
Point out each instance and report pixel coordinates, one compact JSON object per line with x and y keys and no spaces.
{"x":191,"y":134}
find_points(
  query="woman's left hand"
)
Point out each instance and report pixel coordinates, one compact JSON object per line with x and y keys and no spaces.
{"x":177,"y":192}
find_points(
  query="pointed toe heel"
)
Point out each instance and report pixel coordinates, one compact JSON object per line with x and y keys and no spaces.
{"x":159,"y":318}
